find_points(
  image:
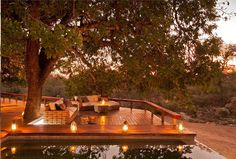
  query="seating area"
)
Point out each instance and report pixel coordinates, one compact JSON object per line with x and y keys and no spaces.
{"x":63,"y":111}
{"x":93,"y":102}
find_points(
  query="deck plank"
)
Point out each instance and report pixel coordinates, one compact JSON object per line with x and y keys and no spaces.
{"x":136,"y":117}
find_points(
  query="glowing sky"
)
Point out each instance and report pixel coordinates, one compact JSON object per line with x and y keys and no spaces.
{"x":227,"y":29}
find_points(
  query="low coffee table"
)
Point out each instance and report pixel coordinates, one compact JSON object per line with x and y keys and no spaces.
{"x":101,"y":108}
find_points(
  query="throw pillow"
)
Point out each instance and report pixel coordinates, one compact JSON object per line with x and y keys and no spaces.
{"x":67,"y":102}
{"x":52,"y":106}
{"x":47,"y":108}
{"x":84,"y":99}
{"x":57,"y":106}
{"x":62,"y":106}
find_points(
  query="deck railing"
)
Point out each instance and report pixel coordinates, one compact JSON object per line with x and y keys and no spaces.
{"x":146,"y":105}
{"x":23,"y":97}
{"x":152,"y":107}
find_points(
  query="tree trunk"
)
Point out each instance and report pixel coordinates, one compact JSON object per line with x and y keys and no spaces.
{"x":32,"y":69}
{"x":37,"y":68}
{"x":32,"y":108}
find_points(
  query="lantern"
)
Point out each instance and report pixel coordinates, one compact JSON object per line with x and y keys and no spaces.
{"x":125,"y":127}
{"x":13,"y":126}
{"x":181,"y":127}
{"x":13,"y":150}
{"x":73,"y":127}
{"x":103,"y":102}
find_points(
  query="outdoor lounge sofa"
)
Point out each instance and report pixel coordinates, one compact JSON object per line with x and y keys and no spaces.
{"x":53,"y":116}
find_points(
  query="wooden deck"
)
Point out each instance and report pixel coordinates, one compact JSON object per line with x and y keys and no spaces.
{"x":133,"y":117}
{"x":106,"y":126}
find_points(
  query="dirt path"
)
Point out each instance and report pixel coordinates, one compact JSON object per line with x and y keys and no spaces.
{"x":221,"y":138}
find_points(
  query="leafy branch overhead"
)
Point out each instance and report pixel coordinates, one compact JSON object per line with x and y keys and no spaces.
{"x":158,"y":40}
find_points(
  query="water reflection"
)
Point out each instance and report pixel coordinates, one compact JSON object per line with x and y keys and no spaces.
{"x":80,"y":151}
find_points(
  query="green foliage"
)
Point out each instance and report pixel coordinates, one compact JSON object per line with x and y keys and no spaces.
{"x":100,"y":80}
{"x":54,"y":87}
{"x":12,"y":71}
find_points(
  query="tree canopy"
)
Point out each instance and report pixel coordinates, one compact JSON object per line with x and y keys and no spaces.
{"x":163,"y":44}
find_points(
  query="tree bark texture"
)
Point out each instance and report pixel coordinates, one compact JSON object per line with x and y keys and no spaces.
{"x":37,"y":68}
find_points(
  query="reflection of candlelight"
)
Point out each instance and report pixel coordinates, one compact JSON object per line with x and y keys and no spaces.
{"x":13,"y":150}
{"x":125,"y":126}
{"x":180,"y":148}
{"x":125,"y":148}
{"x":22,"y":113}
{"x":72,"y":149}
{"x":102,"y":120}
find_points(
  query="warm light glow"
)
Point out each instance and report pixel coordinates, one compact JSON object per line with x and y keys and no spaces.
{"x":103,"y":102}
{"x":102,"y":120}
{"x":72,"y":149}
{"x":22,"y":113}
{"x":125,"y":127}
{"x":13,"y":150}
{"x":181,"y":127}
{"x":13,"y":126}
{"x":75,"y":98}
{"x":125,"y":148}
{"x":180,"y":148}
{"x":73,"y":127}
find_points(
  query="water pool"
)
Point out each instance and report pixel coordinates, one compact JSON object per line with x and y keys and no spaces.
{"x":114,"y":150}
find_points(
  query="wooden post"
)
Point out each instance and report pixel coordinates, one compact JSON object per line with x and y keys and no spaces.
{"x":162,"y":118}
{"x":131,"y":106}
{"x":16,"y":99}
{"x":151,"y":117}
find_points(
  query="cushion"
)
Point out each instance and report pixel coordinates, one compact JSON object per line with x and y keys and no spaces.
{"x":105,"y":98}
{"x":52,"y":106}
{"x":47,"y":108}
{"x":67,"y":102}
{"x":63,"y":106}
{"x":93,"y":98}
{"x":84,"y":99}
{"x":57,"y":106}
{"x":60,"y":101}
